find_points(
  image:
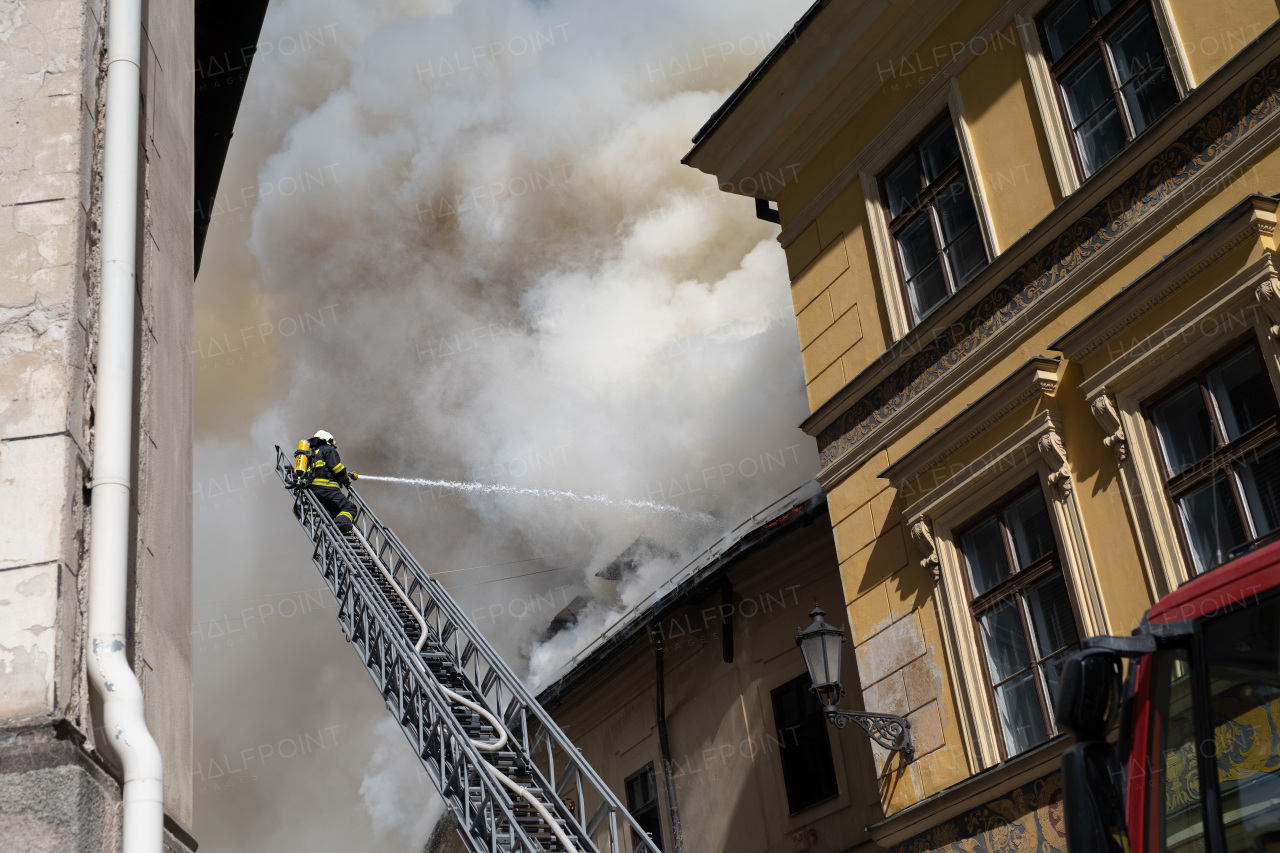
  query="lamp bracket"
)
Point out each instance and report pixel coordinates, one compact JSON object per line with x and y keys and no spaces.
{"x":889,"y":730}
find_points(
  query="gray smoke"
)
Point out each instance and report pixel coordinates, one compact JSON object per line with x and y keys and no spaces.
{"x":472,"y":254}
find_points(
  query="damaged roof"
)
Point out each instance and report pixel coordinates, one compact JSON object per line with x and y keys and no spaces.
{"x":797,"y":509}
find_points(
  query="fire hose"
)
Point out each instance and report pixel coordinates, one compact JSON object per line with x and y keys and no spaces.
{"x":486,"y":746}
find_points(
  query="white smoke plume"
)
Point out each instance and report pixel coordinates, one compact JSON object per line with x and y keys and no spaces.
{"x":473,"y":255}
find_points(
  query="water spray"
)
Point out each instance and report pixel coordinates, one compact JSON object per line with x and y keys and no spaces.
{"x":551,"y":494}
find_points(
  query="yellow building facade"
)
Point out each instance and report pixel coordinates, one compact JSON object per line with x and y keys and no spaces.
{"x":1031,"y":255}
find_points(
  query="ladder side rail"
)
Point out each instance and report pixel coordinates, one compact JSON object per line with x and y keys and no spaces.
{"x":561,"y":810}
{"x":514,"y":685}
{"x":468,"y":758}
{"x":333,"y":549}
{"x":459,"y":624}
{"x":388,"y":645}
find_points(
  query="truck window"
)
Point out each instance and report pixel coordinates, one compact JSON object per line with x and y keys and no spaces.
{"x":1174,"y":787}
{"x":1242,"y":649}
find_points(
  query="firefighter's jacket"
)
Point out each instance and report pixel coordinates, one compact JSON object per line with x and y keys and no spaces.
{"x":328,"y":470}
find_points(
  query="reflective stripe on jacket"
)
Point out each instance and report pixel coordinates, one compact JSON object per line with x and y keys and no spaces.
{"x":330,"y":473}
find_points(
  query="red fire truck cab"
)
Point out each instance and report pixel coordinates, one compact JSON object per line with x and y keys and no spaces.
{"x":1196,"y":764}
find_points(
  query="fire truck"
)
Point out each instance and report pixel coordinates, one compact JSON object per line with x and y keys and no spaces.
{"x":1182,"y":752}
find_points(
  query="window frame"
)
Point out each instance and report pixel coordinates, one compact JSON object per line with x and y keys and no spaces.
{"x":1044,"y":74}
{"x":924,"y":205}
{"x":1224,"y":455}
{"x":1095,"y":39}
{"x":646,"y":771}
{"x":1019,"y":581}
{"x":778,"y":728}
{"x":889,"y":146}
{"x":947,"y":485}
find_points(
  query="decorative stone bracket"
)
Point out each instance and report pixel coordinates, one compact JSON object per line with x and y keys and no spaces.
{"x":1055,"y":456}
{"x":922,"y":536}
{"x":1268,"y":295}
{"x":1104,"y":411}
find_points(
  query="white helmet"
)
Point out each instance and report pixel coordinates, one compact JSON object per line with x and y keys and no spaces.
{"x":326,"y":437}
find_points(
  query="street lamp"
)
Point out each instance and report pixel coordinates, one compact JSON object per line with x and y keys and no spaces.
{"x":820,"y":644}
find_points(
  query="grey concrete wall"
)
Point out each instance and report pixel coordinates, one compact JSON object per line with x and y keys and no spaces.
{"x":165,"y":428}
{"x":50,"y":85}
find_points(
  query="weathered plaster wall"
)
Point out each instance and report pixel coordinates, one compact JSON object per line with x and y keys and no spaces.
{"x":50,"y":100}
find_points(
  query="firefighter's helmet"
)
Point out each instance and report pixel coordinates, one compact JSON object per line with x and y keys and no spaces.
{"x":326,"y":437}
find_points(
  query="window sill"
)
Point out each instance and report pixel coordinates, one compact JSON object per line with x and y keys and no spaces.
{"x":972,"y":792}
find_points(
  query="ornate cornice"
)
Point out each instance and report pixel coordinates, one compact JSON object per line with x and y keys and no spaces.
{"x":1175,"y":271}
{"x":1036,"y":378}
{"x":1196,"y":150}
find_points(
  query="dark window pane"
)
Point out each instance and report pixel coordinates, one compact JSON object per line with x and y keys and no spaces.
{"x":1028,"y":522}
{"x":1260,"y":478}
{"x":1092,"y":112}
{"x":1085,"y":88}
{"x":1135,"y":45}
{"x":1052,"y":622}
{"x":1064,"y":26}
{"x":984,"y":551}
{"x":1150,"y":95}
{"x":1100,"y":138}
{"x":1242,"y":393}
{"x":928,"y":290}
{"x":1212,"y":522}
{"x":1006,"y":641}
{"x":642,"y":802}
{"x":1020,"y":714}
{"x":807,"y":769}
{"x":902,"y":186}
{"x":1142,"y":69}
{"x":956,"y":213}
{"x":1051,"y":670}
{"x":967,"y":256}
{"x":958,"y":222}
{"x":939,"y":151}
{"x":916,"y":246}
{"x":1182,"y":423}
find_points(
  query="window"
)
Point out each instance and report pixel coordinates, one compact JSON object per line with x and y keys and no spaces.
{"x":807,"y":768}
{"x":1216,"y":433}
{"x":1110,"y":71}
{"x":642,"y":802}
{"x":937,"y":243}
{"x":1022,"y":612}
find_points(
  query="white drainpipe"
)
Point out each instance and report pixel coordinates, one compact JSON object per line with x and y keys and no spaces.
{"x":122,"y":707}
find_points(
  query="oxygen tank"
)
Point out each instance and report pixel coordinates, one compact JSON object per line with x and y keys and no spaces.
{"x":302,"y":463}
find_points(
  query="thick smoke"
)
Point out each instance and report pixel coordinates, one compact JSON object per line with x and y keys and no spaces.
{"x":473,"y":254}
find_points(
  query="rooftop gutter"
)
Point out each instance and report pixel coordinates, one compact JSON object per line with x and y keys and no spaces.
{"x":744,"y":88}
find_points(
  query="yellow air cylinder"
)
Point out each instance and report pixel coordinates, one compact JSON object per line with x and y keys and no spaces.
{"x":302,"y":462}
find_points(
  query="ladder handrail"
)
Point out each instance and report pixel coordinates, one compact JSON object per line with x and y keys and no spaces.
{"x":571,"y":755}
{"x":488,"y":676}
{"x":394,"y":632}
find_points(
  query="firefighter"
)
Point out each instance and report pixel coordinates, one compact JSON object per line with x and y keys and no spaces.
{"x":328,"y":477}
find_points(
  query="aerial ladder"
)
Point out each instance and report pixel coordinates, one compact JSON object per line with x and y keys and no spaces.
{"x":509,"y":776}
